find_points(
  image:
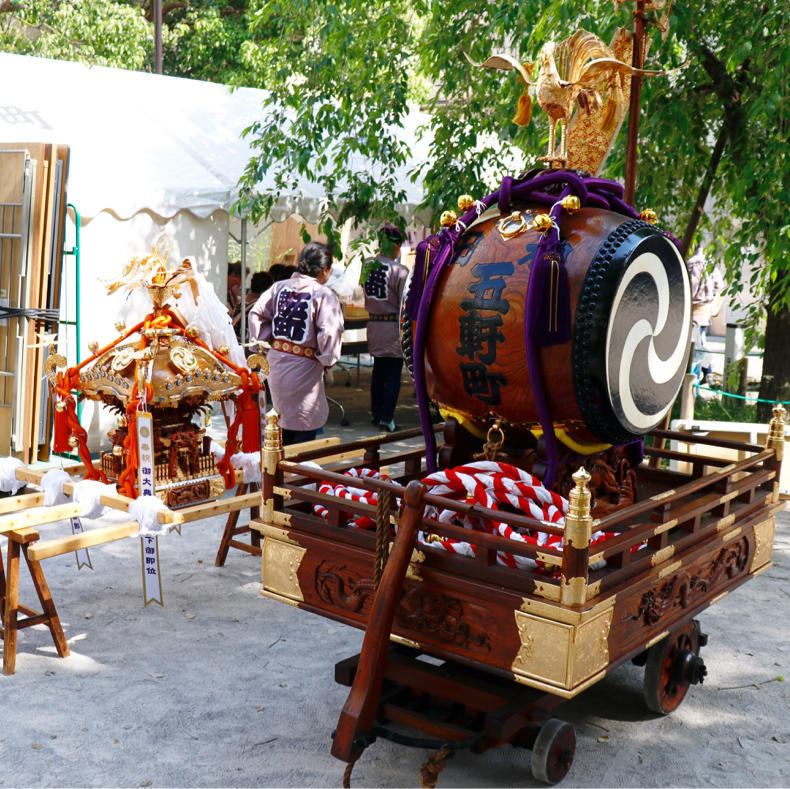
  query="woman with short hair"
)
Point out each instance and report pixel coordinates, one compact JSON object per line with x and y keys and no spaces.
{"x":302,"y":321}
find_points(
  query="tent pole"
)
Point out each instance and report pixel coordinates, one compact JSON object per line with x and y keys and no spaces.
{"x":243,"y":280}
{"x":157,"y":36}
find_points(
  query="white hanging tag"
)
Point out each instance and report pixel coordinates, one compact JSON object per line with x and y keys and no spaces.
{"x":83,"y":557}
{"x":149,"y":543}
{"x":145,"y":452}
{"x":152,"y":581}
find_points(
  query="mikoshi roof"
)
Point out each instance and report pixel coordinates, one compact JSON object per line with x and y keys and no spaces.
{"x":143,"y":141}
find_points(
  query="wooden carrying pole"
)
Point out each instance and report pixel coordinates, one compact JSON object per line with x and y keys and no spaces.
{"x":359,"y":711}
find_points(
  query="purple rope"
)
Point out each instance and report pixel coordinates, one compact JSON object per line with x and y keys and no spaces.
{"x":505,"y":191}
{"x":421,"y":325}
{"x":534,"y":335}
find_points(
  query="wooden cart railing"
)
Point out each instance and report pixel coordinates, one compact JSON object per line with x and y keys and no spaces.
{"x":689,"y":509}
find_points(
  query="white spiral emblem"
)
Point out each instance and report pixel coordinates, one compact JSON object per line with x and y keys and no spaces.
{"x":647,"y":337}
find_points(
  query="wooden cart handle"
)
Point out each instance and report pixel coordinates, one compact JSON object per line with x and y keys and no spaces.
{"x":359,"y":711}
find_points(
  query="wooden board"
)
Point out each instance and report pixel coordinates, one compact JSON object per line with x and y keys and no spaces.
{"x":30,"y":253}
{"x":12,"y":183}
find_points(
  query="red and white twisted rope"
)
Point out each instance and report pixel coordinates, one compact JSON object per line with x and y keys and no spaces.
{"x":350,"y":493}
{"x":487,"y":483}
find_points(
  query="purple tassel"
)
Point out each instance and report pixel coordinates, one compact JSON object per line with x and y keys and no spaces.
{"x":548,"y":308}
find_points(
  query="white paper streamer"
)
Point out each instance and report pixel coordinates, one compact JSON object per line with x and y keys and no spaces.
{"x":144,"y":510}
{"x":250,"y":464}
{"x":210,"y":317}
{"x":88,"y":493}
{"x":8,"y":481}
{"x":52,"y":485}
{"x":219,"y":451}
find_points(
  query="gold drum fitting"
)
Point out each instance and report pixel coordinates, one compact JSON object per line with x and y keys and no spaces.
{"x":512,"y":226}
{"x":465,"y":202}
{"x":648,"y":215}
{"x":448,"y":219}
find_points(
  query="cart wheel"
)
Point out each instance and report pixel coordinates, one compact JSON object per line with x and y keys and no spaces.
{"x":552,"y":753}
{"x":672,"y":665}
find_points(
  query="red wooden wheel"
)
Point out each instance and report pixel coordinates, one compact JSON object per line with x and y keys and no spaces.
{"x":552,"y":752}
{"x":672,"y":665}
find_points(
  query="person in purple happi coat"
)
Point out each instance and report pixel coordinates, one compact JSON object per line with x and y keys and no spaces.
{"x":383,"y":293}
{"x":302,"y":320}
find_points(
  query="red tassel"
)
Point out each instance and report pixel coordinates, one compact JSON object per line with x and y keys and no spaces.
{"x":60,"y":439}
{"x":250,"y":423}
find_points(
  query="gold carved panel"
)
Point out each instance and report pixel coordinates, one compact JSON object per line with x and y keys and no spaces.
{"x":561,"y":654}
{"x":279,"y":568}
{"x":545,"y":649}
{"x":591,"y":646}
{"x":763,"y":543}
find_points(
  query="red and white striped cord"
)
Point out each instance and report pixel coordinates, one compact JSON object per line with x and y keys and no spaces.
{"x":491,"y":484}
{"x":487,"y":483}
{"x":350,"y":493}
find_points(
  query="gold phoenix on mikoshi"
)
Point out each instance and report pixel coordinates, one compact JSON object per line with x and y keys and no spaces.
{"x":580,"y":70}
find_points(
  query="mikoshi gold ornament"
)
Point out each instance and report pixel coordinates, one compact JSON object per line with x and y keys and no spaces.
{"x":465,"y":202}
{"x":648,"y":215}
{"x":542,"y":223}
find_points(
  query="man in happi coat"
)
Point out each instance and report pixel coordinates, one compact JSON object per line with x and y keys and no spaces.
{"x":301,"y":319}
{"x":383,"y":285}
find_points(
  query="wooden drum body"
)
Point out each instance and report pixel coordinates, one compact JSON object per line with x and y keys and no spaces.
{"x":617,"y":376}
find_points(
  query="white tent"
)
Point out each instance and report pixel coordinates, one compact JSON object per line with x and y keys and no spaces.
{"x":149,"y":154}
{"x":144,"y":141}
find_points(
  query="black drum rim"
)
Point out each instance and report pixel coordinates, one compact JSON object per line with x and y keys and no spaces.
{"x":601,"y":411}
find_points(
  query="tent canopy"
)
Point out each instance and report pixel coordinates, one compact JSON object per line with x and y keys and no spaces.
{"x":143,"y":141}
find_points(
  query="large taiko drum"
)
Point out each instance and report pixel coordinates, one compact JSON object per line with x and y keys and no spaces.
{"x":617,"y":376}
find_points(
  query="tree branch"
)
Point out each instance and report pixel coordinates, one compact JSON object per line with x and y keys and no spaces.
{"x":705,"y":186}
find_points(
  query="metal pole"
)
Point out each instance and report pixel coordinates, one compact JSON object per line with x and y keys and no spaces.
{"x":243,"y":280}
{"x":158,"y":36}
{"x":636,"y":96}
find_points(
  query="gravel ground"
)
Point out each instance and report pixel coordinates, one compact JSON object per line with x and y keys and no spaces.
{"x":224,"y":687}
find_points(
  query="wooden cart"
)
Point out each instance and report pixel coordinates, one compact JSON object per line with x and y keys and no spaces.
{"x":508,"y":645}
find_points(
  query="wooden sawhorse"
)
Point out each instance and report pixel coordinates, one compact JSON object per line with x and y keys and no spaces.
{"x":232,"y":530}
{"x":19,"y":541}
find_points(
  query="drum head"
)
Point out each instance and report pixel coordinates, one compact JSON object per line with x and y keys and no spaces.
{"x":631,"y":333}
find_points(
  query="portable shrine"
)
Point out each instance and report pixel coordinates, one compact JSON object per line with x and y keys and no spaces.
{"x":159,"y":376}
